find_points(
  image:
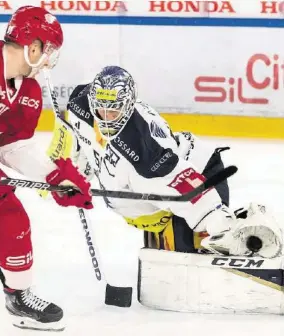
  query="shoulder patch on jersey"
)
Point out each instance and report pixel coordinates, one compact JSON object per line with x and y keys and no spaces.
{"x":79,"y":91}
{"x":79,"y":105}
{"x":157,"y":131}
{"x":136,"y":144}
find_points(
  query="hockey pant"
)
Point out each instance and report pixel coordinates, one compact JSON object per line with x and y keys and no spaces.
{"x":177,"y":235}
{"x":15,"y":240}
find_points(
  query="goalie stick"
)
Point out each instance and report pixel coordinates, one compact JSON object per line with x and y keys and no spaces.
{"x":209,"y":183}
{"x":115,"y":296}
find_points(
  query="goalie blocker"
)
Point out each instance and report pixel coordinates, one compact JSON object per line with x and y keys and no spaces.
{"x":199,"y":283}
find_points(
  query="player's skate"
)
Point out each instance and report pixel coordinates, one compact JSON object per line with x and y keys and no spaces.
{"x":30,"y":312}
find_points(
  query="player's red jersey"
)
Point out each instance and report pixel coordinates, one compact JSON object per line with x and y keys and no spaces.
{"x":20,"y":105}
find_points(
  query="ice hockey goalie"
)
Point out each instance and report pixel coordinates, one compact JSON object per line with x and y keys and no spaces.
{"x":199,"y":256}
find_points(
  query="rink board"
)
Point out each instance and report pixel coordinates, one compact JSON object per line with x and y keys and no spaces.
{"x":211,"y":125}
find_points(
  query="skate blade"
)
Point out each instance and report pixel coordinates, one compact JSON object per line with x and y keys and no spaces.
{"x":30,"y":324}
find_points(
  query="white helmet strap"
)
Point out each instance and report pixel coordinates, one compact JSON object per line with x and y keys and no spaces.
{"x":33,"y":65}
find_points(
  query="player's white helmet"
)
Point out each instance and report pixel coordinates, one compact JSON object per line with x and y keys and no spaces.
{"x":113,"y":91}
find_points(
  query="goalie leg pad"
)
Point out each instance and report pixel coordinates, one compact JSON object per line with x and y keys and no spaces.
{"x":202,"y":283}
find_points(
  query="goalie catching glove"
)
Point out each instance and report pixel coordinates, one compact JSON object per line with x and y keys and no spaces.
{"x":243,"y":233}
{"x":67,"y":174}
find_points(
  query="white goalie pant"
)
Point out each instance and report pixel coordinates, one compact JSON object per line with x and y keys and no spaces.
{"x":201,"y":283}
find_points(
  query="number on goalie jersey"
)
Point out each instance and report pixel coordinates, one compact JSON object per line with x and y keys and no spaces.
{"x":133,"y":148}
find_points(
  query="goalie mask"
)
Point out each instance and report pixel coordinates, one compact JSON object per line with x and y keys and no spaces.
{"x":112,"y":97}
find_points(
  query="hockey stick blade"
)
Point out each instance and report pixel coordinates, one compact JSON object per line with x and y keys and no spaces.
{"x":209,"y":183}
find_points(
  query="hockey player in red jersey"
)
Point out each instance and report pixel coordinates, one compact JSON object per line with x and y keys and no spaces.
{"x":32,"y":41}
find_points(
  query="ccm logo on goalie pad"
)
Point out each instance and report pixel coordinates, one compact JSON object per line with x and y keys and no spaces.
{"x":186,"y":181}
{"x":237,"y":263}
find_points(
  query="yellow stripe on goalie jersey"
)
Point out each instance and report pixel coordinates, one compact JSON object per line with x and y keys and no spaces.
{"x":60,"y":147}
{"x":155,"y":222}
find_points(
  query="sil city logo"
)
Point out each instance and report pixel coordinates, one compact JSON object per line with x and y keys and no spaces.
{"x":220,"y":89}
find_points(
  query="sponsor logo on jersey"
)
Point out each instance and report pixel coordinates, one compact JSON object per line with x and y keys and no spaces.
{"x":3,"y":108}
{"x":161,"y":161}
{"x":84,"y":139}
{"x":3,"y":93}
{"x":23,"y":100}
{"x":185,"y":176}
{"x":30,"y":102}
{"x":19,"y":261}
{"x":127,"y":150}
{"x":188,"y":180}
{"x":79,"y":111}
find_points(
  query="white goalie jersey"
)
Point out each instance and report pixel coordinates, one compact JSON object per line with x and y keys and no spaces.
{"x":144,"y":157}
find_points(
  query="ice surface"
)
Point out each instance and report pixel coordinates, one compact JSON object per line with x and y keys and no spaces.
{"x":63,"y":271}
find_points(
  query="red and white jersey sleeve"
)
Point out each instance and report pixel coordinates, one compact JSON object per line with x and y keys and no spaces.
{"x":20,"y":109}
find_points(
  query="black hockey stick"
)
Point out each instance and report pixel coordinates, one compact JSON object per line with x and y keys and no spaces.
{"x":209,"y":183}
{"x":114,"y":296}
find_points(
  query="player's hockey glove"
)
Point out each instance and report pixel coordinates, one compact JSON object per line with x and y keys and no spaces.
{"x":80,"y":197}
